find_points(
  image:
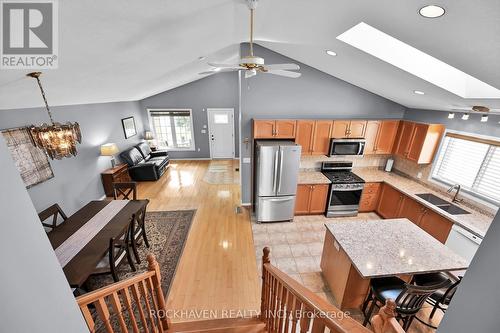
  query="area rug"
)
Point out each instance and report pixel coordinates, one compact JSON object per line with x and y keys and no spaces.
{"x":221,"y":172}
{"x":167,"y":232}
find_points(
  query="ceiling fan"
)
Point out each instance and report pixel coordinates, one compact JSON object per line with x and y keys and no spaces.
{"x":252,"y":64}
{"x":477,"y":109}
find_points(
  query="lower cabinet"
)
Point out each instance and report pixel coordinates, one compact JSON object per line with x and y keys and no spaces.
{"x":311,"y":199}
{"x":412,"y":210}
{"x":435,"y":225}
{"x":370,"y":197}
{"x":390,"y":202}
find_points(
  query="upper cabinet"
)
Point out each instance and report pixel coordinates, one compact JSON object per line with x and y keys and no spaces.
{"x":380,"y":136}
{"x":274,"y":129}
{"x":418,"y":142}
{"x":314,"y":136}
{"x":349,"y":129}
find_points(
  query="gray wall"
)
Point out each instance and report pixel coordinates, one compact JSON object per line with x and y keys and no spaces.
{"x":77,"y":180}
{"x":473,"y":125}
{"x":314,"y":95}
{"x":476,"y":304}
{"x":35,"y":294}
{"x":216,"y":91}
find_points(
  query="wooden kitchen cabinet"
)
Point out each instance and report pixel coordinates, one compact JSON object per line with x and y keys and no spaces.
{"x":380,"y":136}
{"x":418,"y":142}
{"x":311,"y":199}
{"x":304,"y":135}
{"x":349,"y":129}
{"x":274,"y":129}
{"x":390,"y":201}
{"x":436,"y":225}
{"x":370,"y":197}
{"x":412,"y":210}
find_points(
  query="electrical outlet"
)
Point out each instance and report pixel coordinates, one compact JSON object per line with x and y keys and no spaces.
{"x":419,"y":175}
{"x":203,"y":131}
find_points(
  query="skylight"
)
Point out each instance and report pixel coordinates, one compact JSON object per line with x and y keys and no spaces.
{"x":389,"y":49}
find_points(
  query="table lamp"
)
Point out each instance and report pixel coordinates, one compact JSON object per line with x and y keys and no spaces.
{"x":110,"y":149}
{"x":148,"y":136}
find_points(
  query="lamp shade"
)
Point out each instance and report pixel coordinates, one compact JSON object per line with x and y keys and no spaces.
{"x":109,"y":149}
{"x":148,"y":135}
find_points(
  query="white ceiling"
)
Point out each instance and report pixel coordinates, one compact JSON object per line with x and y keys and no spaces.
{"x":119,"y":50}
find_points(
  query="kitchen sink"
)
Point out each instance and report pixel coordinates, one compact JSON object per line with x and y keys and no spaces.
{"x":429,"y":197}
{"x":442,"y":204}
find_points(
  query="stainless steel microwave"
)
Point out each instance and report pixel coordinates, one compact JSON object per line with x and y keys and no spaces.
{"x":344,"y":147}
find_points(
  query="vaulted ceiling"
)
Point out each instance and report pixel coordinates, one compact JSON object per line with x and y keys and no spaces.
{"x":119,"y":50}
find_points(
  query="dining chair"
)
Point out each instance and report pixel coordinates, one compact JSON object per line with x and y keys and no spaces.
{"x":442,"y":297}
{"x":118,"y":252}
{"x":409,"y":298}
{"x":125,"y":191}
{"x":138,"y":231}
{"x":53,"y":211}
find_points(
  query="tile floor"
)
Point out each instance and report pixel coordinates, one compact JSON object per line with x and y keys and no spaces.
{"x":296,"y":249}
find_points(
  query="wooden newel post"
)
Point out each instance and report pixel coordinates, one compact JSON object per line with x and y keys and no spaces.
{"x":265,"y":284}
{"x":385,"y":321}
{"x":153,"y":266}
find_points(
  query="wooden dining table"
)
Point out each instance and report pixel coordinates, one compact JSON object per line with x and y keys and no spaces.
{"x":81,"y":266}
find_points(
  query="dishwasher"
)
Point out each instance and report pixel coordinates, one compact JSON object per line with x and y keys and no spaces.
{"x":463,"y":242}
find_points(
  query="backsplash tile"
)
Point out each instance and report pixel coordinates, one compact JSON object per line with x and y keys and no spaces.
{"x":313,"y":163}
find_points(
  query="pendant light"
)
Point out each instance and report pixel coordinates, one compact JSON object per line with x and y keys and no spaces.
{"x":56,"y":139}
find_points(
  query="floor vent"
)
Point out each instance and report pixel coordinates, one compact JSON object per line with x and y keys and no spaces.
{"x":238,"y":210}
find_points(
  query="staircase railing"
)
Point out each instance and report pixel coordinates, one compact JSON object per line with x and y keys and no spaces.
{"x":137,"y":302}
{"x":287,"y":306}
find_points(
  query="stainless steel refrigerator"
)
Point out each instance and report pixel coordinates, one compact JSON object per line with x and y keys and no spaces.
{"x":276,"y":174}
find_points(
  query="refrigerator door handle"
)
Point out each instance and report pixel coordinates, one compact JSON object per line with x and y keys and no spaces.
{"x":279,"y":199}
{"x":275,"y":171}
{"x":281,"y":170}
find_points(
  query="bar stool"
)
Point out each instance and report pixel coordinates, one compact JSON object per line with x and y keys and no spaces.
{"x":442,"y":297}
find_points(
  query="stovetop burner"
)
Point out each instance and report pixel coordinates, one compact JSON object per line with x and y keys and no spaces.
{"x":342,"y":177}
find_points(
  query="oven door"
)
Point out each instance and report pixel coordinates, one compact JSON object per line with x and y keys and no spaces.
{"x":343,"y":202}
{"x":343,"y":147}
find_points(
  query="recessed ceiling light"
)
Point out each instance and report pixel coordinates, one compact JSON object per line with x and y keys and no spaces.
{"x":465,"y":116}
{"x":451,"y":115}
{"x":332,"y":53}
{"x":432,"y":11}
{"x":484,"y":118}
{"x":403,"y":56}
{"x":418,"y":92}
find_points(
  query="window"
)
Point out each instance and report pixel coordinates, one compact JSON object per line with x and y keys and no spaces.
{"x":472,"y":162}
{"x":173,"y":129}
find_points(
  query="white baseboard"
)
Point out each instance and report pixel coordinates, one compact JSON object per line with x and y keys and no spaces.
{"x":246,"y":204}
{"x":103,"y":197}
{"x":191,"y":159}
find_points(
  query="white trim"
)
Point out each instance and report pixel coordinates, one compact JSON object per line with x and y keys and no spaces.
{"x":209,"y":129}
{"x":103,"y":197}
{"x":246,"y":204}
{"x":191,"y":158}
{"x":152,"y":128}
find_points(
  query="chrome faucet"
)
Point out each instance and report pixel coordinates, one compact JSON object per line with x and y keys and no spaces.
{"x":458,"y":187}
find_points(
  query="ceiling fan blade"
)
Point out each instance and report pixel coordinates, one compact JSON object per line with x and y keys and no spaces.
{"x":294,"y":67}
{"x":207,"y":72}
{"x":220,"y":70}
{"x":284,"y":73}
{"x":249,"y":73}
{"x":224,"y":65}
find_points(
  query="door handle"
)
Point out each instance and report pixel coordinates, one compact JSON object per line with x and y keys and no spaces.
{"x":278,"y":200}
{"x":281,"y":170}
{"x":275,"y":170}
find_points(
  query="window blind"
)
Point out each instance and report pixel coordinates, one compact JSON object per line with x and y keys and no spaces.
{"x":474,"y":164}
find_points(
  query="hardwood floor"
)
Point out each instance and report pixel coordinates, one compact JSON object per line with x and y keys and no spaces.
{"x":217,"y":274}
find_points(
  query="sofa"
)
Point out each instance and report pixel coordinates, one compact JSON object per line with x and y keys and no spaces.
{"x":144,"y":164}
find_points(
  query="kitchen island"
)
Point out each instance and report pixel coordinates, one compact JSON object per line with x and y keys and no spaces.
{"x":356,"y":251}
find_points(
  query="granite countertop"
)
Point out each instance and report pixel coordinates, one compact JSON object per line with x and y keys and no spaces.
{"x":312,"y":177}
{"x":476,"y":222}
{"x":392,"y":247}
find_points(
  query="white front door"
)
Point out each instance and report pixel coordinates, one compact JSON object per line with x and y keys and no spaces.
{"x":221,"y":132}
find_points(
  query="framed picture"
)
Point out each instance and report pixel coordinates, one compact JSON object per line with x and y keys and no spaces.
{"x":129,"y":127}
{"x":32,"y":162}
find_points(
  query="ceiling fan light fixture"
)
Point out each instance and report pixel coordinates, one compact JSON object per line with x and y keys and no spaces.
{"x":484,"y":118}
{"x":432,"y":11}
{"x":331,"y":53}
{"x":57,"y":140}
{"x":465,"y":116}
{"x":451,"y":115}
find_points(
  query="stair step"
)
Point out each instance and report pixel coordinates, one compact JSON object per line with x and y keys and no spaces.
{"x":230,"y":325}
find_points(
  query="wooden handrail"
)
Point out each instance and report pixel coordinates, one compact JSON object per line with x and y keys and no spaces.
{"x":285,"y":303}
{"x":385,"y":321}
{"x":114,"y":307}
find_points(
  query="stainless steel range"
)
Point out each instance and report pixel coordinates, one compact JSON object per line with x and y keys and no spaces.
{"x":345,"y":190}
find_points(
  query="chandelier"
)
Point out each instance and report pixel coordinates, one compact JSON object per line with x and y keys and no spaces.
{"x":56,"y":139}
